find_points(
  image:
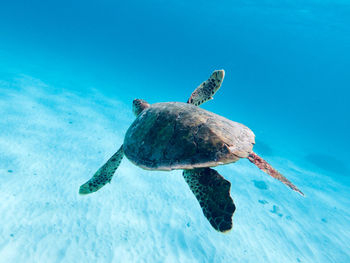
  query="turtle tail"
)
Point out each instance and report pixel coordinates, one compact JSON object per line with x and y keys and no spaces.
{"x":267,"y":168}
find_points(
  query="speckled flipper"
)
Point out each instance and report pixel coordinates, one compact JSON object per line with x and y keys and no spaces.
{"x":213,"y":194}
{"x":267,"y":168}
{"x":104,"y":174}
{"x":207,"y":89}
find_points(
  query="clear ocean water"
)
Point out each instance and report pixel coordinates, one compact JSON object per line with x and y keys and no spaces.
{"x":69,"y":71}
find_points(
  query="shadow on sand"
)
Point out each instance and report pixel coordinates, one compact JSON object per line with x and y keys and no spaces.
{"x":328,"y":163}
{"x":263,"y":148}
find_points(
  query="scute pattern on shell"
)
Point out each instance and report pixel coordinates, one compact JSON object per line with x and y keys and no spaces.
{"x":175,"y":135}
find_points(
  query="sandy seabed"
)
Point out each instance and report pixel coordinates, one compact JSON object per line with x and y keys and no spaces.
{"x":53,"y":140}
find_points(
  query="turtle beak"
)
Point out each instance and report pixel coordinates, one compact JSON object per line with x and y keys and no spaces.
{"x":139,"y":105}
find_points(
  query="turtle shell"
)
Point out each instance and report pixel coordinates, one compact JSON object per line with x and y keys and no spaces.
{"x":175,"y":135}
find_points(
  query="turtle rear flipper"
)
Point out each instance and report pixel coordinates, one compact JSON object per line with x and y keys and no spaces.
{"x":213,"y":194}
{"x":103,"y":175}
{"x":207,"y":89}
{"x":267,"y":168}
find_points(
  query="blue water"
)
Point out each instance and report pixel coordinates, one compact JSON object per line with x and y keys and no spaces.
{"x":68,"y":74}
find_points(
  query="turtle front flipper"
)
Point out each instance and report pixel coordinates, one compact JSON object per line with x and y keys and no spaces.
{"x":213,"y":194}
{"x":207,"y":89}
{"x":103,"y":175}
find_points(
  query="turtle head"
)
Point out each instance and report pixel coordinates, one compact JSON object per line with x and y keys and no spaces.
{"x":138,"y":106}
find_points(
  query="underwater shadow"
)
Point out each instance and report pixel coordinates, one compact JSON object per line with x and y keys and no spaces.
{"x":263,"y":148}
{"x":328,"y":163}
{"x":260,"y":184}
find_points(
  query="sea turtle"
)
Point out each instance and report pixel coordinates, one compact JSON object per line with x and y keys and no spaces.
{"x":175,"y":135}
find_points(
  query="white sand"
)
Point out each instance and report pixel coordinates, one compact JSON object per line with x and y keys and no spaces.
{"x":52,"y":141}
